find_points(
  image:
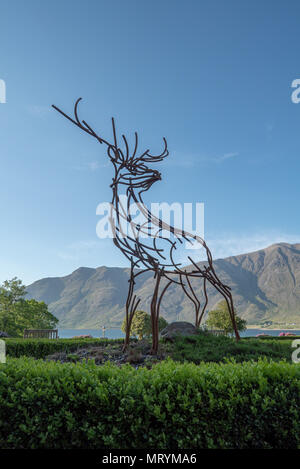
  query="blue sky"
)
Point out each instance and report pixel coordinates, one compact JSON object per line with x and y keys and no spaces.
{"x":214,"y":77}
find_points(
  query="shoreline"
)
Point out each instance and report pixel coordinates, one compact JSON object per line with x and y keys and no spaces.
{"x":296,"y":328}
{"x":248,"y":327}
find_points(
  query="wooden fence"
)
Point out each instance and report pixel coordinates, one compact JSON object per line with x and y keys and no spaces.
{"x":41,"y":334}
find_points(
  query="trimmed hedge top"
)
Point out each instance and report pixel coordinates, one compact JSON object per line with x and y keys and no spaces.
{"x":40,"y":348}
{"x":171,"y":406}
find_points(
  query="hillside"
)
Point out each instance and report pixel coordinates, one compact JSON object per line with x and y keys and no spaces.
{"x":265,"y":285}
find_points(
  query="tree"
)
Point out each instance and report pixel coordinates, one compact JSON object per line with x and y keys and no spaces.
{"x":17,"y":313}
{"x":11,"y":292}
{"x":141,"y":324}
{"x":35,"y":315}
{"x":14,"y":289}
{"x":219,"y":318}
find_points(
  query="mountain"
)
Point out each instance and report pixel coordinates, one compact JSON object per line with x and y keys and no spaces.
{"x":265,"y":286}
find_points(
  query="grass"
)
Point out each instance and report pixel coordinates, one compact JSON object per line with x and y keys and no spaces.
{"x":209,"y":348}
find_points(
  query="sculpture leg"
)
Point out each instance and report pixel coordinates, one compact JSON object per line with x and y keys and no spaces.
{"x":205,"y":302}
{"x":227,"y":295}
{"x":155,"y":315}
{"x":209,"y":274}
{"x":131,"y":306}
{"x":190,"y":293}
{"x":231,"y":310}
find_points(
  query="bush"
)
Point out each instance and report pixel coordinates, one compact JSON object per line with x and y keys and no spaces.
{"x":172,"y":406}
{"x":210,"y":348}
{"x":40,"y":348}
{"x":203,"y":347}
{"x":219,"y":318}
{"x":141,"y":325}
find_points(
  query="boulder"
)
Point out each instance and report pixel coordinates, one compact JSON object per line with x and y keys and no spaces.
{"x":3,"y":335}
{"x":178,"y":328}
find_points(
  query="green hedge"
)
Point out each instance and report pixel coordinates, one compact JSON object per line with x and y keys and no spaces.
{"x":210,"y":348}
{"x":283,"y":337}
{"x":171,"y":406}
{"x":40,"y":348}
{"x":196,"y":349}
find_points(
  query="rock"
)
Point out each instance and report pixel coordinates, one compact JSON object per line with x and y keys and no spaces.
{"x":178,"y":328}
{"x":3,"y":334}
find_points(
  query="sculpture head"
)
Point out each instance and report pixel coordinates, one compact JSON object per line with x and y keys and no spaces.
{"x":130,"y":170}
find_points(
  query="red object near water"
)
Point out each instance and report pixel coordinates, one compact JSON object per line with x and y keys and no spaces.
{"x":284,"y":334}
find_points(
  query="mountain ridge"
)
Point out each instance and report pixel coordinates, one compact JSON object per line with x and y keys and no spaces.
{"x":265,"y":286}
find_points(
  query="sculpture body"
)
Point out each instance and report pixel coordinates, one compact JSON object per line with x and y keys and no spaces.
{"x":132,"y":173}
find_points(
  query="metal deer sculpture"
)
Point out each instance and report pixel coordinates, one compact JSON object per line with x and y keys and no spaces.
{"x":133,"y":173}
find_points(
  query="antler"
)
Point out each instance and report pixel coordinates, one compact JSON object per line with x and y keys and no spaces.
{"x":82,"y":125}
{"x":147,"y":157}
{"x":118,"y":153}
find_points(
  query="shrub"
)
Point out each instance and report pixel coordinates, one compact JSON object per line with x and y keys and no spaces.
{"x":202,"y":347}
{"x":211,"y":348}
{"x":219,"y":318}
{"x":278,"y":337}
{"x":172,"y":406}
{"x":40,"y":348}
{"x":141,"y":325}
